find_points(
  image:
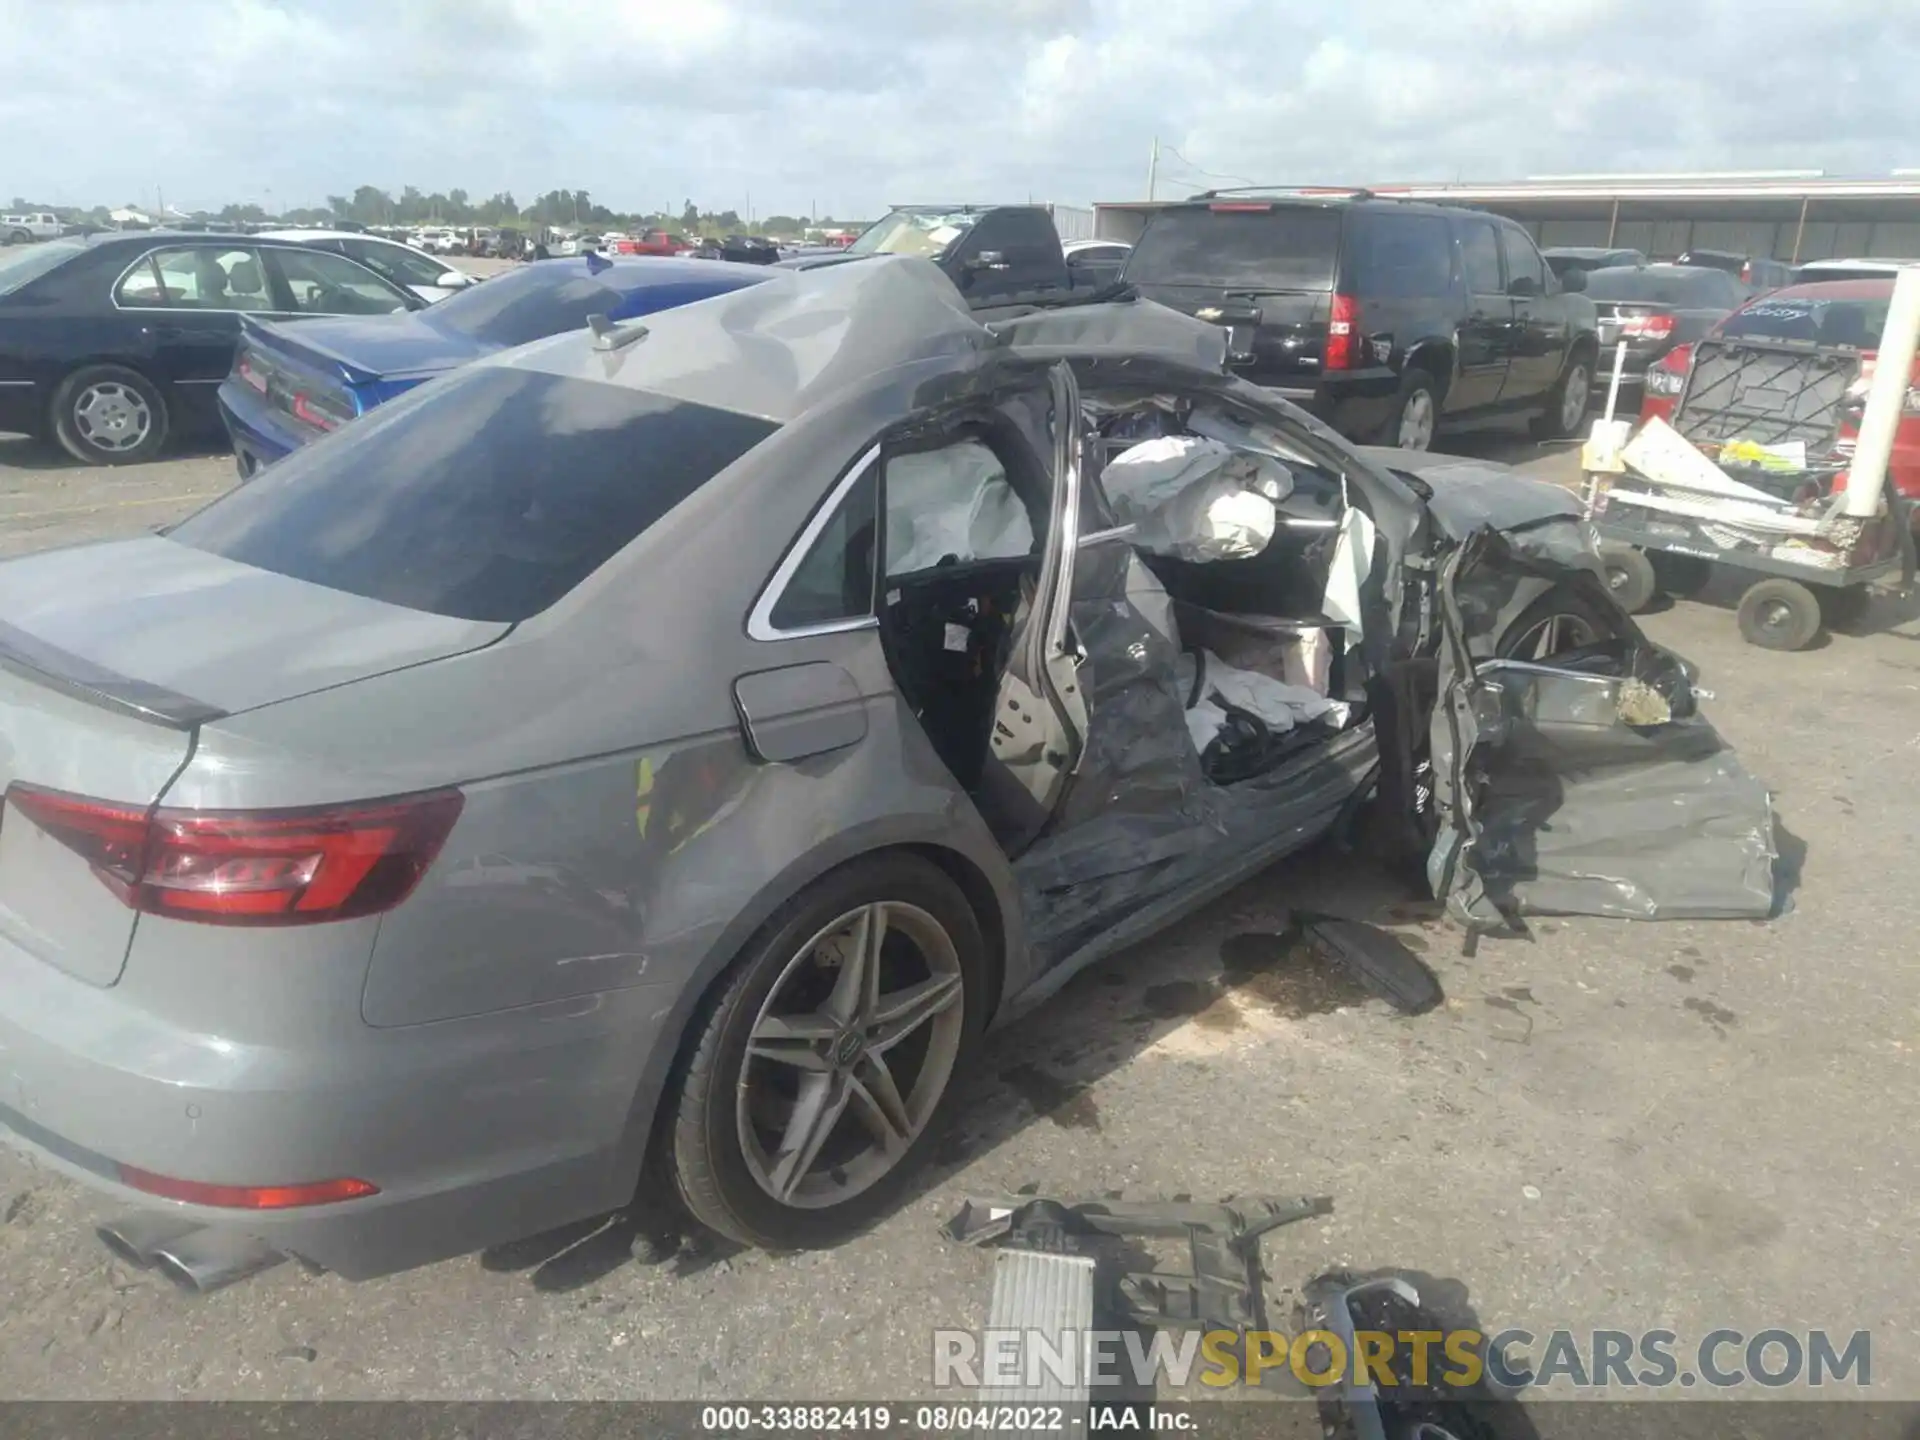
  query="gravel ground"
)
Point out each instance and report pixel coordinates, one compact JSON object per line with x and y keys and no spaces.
{"x":1687,"y":1126}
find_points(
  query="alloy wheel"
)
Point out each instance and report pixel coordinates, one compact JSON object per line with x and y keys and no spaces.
{"x":1416,"y":421}
{"x":112,"y":417}
{"x":850,"y":1054}
{"x":1574,"y":400}
{"x":1553,"y":635}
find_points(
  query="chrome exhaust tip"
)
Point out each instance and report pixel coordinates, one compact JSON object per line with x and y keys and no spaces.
{"x":135,"y":1238}
{"x":203,"y":1261}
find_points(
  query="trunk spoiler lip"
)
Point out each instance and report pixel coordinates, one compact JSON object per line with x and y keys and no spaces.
{"x":25,"y":655}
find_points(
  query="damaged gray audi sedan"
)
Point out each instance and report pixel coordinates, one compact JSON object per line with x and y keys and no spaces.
{"x":670,"y":747}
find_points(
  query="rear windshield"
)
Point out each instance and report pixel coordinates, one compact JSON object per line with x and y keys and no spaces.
{"x":1684,"y":290}
{"x":1287,"y":248}
{"x":486,"y":496}
{"x":22,"y":267}
{"x":1853,"y":323}
{"x":538,"y":300}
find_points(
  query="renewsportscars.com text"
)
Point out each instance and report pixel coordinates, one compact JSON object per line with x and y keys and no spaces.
{"x":1512,"y":1359}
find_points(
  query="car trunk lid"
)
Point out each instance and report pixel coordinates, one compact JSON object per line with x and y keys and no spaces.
{"x":111,"y":656}
{"x":73,"y":726}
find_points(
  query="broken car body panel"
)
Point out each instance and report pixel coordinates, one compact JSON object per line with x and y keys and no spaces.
{"x":633,"y":813}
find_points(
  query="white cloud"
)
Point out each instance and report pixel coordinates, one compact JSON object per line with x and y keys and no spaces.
{"x":850,"y":104}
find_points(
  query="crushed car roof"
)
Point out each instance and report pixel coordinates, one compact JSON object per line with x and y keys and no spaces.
{"x":775,"y":350}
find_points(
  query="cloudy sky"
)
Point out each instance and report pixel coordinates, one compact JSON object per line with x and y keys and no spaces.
{"x":841,"y":106}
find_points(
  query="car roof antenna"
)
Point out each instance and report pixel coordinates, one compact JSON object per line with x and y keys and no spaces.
{"x":607,"y":335}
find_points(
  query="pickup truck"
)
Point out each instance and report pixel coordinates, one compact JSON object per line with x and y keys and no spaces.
{"x":651,"y":242}
{"x":1002,"y":257}
{"x":23,"y":229}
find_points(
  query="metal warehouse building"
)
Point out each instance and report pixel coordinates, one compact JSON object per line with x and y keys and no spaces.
{"x":1792,"y":216}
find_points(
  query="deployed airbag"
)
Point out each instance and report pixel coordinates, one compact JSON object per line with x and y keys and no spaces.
{"x":1196,"y":499}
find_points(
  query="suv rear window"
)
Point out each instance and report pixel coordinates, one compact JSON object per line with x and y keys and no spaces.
{"x":1282,"y":248}
{"x":486,"y":496}
{"x":1855,"y":323}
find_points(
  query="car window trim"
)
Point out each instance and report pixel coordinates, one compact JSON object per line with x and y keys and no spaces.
{"x":278,"y":278}
{"x":151,"y":257}
{"x":760,"y":624}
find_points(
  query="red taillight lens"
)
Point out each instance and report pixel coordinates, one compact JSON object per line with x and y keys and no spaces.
{"x":250,"y":373}
{"x":1239,"y":207}
{"x":1647,"y":327}
{"x":245,"y":1197}
{"x":1669,"y":375}
{"x":265,"y":867}
{"x":309,"y":413}
{"x":1343,"y":334}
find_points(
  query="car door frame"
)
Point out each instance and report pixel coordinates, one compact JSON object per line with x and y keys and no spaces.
{"x":1541,"y":335}
{"x":178,"y":348}
{"x":1483,"y":344}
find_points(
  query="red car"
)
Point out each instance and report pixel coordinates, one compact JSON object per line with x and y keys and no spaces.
{"x":1848,"y":313}
{"x":650,"y":242}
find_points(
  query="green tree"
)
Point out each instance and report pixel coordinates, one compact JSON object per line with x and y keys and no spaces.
{"x":371,"y":206}
{"x":690,"y":218}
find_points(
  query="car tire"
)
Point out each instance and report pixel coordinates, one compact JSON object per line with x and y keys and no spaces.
{"x":1681,"y":575}
{"x":1630,"y":578}
{"x":1779,"y":615}
{"x":109,"y":415}
{"x":730,"y":1099}
{"x":1416,"y":413}
{"x":19,"y":237}
{"x":1561,"y":619}
{"x":1569,"y":400}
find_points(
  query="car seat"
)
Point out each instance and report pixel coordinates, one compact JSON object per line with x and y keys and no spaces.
{"x":245,"y":284}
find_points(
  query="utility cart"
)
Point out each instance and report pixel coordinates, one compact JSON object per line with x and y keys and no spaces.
{"x":1753,"y":477}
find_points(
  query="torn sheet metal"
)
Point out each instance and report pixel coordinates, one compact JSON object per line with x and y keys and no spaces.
{"x":1123,"y":328}
{"x":1592,"y":786}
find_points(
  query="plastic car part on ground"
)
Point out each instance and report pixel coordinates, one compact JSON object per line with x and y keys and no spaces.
{"x":1222,"y":1286}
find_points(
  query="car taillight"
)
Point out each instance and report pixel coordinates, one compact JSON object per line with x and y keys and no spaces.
{"x":250,"y":373}
{"x":246,"y":1197}
{"x":312,"y":410}
{"x":1342,"y":334}
{"x":1647,"y":327}
{"x":251,"y":867}
{"x":1669,"y":376}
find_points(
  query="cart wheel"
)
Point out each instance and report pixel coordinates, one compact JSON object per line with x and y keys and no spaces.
{"x":1779,"y":615}
{"x":1682,"y":575}
{"x":1842,"y":607}
{"x":1630,"y":578}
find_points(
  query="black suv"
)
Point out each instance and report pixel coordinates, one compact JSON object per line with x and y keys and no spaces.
{"x":1388,"y":319}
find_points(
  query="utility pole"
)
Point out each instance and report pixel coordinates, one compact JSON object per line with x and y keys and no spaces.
{"x":1153,"y":167}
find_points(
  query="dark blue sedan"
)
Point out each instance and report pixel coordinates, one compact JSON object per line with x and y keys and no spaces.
{"x":292,"y":383}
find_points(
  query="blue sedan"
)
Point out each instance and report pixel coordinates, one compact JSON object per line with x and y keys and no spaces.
{"x":293,"y":382}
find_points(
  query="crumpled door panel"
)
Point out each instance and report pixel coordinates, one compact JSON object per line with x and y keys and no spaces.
{"x":1590,"y":785}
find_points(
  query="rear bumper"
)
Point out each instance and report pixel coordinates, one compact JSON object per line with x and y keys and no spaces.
{"x":1359,"y":405}
{"x":476,"y":1131}
{"x":259,"y":437}
{"x":21,"y":407}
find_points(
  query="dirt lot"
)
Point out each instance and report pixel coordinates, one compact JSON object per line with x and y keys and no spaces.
{"x":1689,"y":1126}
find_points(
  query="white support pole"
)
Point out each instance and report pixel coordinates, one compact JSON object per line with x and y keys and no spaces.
{"x":1886,"y":397}
{"x":1613,"y":386}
